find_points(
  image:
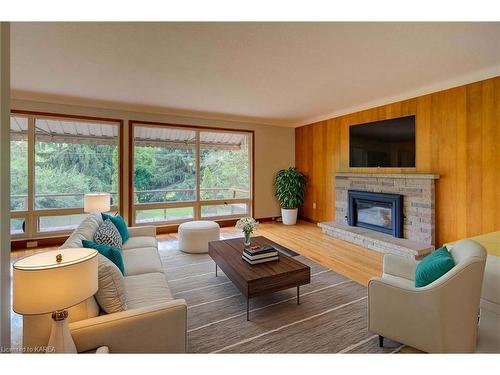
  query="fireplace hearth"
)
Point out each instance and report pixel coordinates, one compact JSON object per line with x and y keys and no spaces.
{"x":401,"y":224}
{"x":381,"y":212}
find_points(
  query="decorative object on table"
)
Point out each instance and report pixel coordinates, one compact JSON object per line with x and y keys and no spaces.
{"x":52,"y":282}
{"x":247,"y":226}
{"x":260,"y":254}
{"x":97,"y":202}
{"x":290,"y":189}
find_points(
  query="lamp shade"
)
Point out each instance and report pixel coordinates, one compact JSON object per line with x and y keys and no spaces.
{"x":97,"y":202}
{"x":42,"y":284}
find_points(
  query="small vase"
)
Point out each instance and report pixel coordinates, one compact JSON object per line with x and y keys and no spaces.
{"x":247,"y":238}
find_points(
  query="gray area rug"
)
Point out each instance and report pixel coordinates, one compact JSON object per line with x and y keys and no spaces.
{"x":331,"y":317}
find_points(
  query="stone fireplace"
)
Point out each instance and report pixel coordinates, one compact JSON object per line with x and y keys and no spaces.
{"x":390,"y":213}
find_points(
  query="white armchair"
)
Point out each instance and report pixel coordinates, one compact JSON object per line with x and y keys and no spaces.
{"x":441,"y":317}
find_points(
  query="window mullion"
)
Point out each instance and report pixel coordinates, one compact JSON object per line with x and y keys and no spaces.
{"x":31,"y":225}
{"x":197,"y":212}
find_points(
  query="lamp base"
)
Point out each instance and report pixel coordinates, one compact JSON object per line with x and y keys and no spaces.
{"x":60,"y":338}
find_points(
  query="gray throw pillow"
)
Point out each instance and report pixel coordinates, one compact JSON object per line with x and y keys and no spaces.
{"x":107,"y":234}
{"x":111,"y":295}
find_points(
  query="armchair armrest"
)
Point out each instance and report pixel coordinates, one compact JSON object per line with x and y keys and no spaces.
{"x":145,"y":231}
{"x":160,"y":328}
{"x":399,"y":266}
{"x":402,"y":313}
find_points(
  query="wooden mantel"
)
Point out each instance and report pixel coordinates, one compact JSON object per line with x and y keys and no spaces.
{"x":414,"y":176}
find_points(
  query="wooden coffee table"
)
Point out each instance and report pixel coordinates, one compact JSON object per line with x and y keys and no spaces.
{"x":259,"y":279}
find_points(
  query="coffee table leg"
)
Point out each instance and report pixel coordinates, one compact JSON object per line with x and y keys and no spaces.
{"x":215,"y":269}
{"x":298,"y":295}
{"x":248,"y":309}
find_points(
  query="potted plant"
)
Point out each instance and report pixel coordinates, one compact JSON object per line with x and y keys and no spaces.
{"x":290,"y":189}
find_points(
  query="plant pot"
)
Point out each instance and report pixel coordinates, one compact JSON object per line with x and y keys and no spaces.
{"x":289,"y":216}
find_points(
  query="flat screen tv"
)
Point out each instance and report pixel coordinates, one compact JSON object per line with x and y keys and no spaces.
{"x":387,"y":143}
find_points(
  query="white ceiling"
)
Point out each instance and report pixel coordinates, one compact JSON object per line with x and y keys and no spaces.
{"x":272,"y":73}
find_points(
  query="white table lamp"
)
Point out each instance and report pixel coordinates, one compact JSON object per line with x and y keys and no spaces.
{"x":97,"y":202}
{"x":52,"y":282}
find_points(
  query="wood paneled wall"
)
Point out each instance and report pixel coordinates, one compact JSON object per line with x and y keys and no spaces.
{"x":457,"y":137}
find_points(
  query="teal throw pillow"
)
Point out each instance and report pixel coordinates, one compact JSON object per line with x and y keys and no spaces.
{"x":112,"y":253}
{"x":433,"y":266}
{"x":119,"y":224}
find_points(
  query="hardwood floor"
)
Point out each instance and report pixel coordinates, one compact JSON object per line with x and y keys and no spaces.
{"x":352,"y":261}
{"x":355,"y":262}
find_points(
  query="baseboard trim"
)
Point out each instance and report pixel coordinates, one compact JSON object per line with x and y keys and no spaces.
{"x":22,"y":244}
{"x":264,"y":219}
{"x":303,"y":218}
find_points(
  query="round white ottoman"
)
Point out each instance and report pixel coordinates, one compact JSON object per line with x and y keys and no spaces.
{"x":195,"y":235}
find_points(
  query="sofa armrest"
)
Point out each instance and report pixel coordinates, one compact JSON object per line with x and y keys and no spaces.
{"x":160,"y":328}
{"x":142,"y":231}
{"x":400,"y":266}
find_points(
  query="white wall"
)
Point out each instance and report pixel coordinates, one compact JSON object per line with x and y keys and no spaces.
{"x":4,"y":185}
{"x":274,"y":145}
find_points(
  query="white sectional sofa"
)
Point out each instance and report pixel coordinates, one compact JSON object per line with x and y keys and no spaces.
{"x":154,"y":321}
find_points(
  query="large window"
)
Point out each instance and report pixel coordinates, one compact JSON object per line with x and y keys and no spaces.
{"x":224,"y":166}
{"x":164,"y":165}
{"x":19,"y":163}
{"x":177,"y":173}
{"x":19,"y":201}
{"x":55,"y":161}
{"x":183,"y":174}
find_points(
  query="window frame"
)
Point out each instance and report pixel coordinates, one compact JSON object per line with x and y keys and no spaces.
{"x":31,"y":215}
{"x":198,"y":202}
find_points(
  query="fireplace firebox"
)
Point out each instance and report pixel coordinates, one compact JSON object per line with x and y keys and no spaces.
{"x":381,"y":212}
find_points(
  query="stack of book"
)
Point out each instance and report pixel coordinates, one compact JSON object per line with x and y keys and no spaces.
{"x":260,"y":254}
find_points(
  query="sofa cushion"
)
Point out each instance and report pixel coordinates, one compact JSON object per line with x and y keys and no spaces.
{"x":119,"y":223}
{"x":433,"y":266}
{"x":112,"y":253}
{"x":107,"y":234}
{"x":85,"y":231}
{"x":137,"y":242}
{"x":111,"y":294}
{"x":146,"y":290}
{"x":143,"y":260}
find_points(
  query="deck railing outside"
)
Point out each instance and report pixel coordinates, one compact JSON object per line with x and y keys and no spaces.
{"x":68,"y":201}
{"x":19,"y":202}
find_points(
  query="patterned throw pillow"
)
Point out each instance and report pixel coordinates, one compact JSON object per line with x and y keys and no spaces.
{"x":107,"y":234}
{"x":119,"y":223}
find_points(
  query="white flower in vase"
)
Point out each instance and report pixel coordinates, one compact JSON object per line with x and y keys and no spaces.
{"x":247,"y":226}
